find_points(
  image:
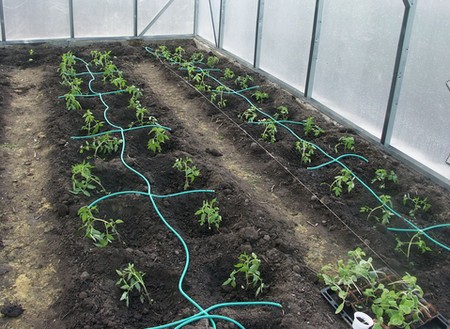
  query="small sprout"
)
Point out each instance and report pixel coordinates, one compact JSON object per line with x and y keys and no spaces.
{"x":212,"y":61}
{"x":209,"y":213}
{"x":159,"y":137}
{"x":249,"y":115}
{"x":345,"y":178}
{"x":270,"y":130}
{"x":306,"y":150}
{"x":386,"y":214}
{"x":131,"y":279}
{"x":260,"y":96}
{"x":190,"y":171}
{"x":348,"y":142}
{"x":243,"y":81}
{"x":217,"y":96}
{"x":248,"y":266}
{"x":418,"y":204}
{"x":31,"y":53}
{"x":416,"y":240}
{"x":282,"y":113}
{"x":310,"y":126}
{"x":382,"y":175}
{"x":89,"y":221}
{"x":228,"y":74}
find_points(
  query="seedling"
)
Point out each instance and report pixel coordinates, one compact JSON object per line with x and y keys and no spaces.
{"x":159,"y":137}
{"x":282,"y":113}
{"x":270,"y":130}
{"x":197,"y":57}
{"x":346,"y":178}
{"x":178,"y":55}
{"x":248,"y":266}
{"x":119,"y":81}
{"x":83,"y":180}
{"x":92,"y":125}
{"x":101,"y":239}
{"x":260,"y":96}
{"x":103,"y":145}
{"x":199,"y":79}
{"x":243,"y":81}
{"x":249,"y":115}
{"x":309,"y":126}
{"x":386,"y":214}
{"x":348,"y":142}
{"x":382,"y":175}
{"x":190,"y":170}
{"x":71,"y":101}
{"x":416,"y":240}
{"x":228,"y":74}
{"x":162,"y":51}
{"x":30,"y":54}
{"x":209,"y":213}
{"x":66,"y":69}
{"x":212,"y":61}
{"x":306,"y":151}
{"x":217,"y":96}
{"x":100,"y":58}
{"x":131,"y":279}
{"x":417,"y":203}
{"x":342,"y":278}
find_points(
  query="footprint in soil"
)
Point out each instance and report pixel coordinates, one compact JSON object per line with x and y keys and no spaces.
{"x":12,"y":310}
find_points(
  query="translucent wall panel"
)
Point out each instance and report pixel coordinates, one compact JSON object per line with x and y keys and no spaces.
{"x":422,"y":123}
{"x":357,"y":51}
{"x":205,"y":23}
{"x":240,"y":28}
{"x":32,"y":19}
{"x":178,"y":18}
{"x":286,"y":39}
{"x":103,"y":18}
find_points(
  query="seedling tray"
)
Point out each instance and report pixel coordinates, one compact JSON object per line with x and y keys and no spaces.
{"x":437,"y":322}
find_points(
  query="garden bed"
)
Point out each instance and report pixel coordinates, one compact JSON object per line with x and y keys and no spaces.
{"x":271,"y":204}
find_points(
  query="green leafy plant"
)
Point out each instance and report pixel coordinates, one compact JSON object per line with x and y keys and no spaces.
{"x":89,"y":223}
{"x":416,"y":241}
{"x":270,"y":130}
{"x":102,"y":145}
{"x":197,"y":57}
{"x":260,"y":96}
{"x":209,"y":213}
{"x":306,"y":151}
{"x":345,"y":178}
{"x":130,"y":279}
{"x":309,"y":126}
{"x":178,"y":54}
{"x":243,"y":81}
{"x":248,"y":266}
{"x":343,"y":277}
{"x":91,"y":125}
{"x":159,"y":137}
{"x":200,"y":83}
{"x":382,"y":176}
{"x":212,"y":61}
{"x":217,"y":96}
{"x":71,"y":101}
{"x":348,"y":142}
{"x":100,"y":59}
{"x":385,"y":214}
{"x":83,"y":180}
{"x":228,"y":74}
{"x":249,"y":115}
{"x":282,"y":113}
{"x":417,"y":204}
{"x":162,"y":51}
{"x":190,"y":170}
{"x":66,"y":68}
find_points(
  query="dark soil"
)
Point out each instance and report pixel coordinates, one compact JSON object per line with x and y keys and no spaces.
{"x":270,"y":202}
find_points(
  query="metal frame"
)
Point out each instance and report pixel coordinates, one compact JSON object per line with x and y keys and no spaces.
{"x":135,"y":18}
{"x":71,"y":21}
{"x":221,"y":23}
{"x":158,"y":15}
{"x":2,"y":21}
{"x":213,"y":23}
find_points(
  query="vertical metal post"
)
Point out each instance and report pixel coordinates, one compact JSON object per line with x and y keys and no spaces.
{"x":196,"y":9}
{"x":399,"y":70}
{"x":314,"y":49}
{"x":259,"y":26}
{"x":71,"y":23}
{"x":213,"y":22}
{"x":2,"y":21}
{"x":135,"y":18}
{"x":221,"y":23}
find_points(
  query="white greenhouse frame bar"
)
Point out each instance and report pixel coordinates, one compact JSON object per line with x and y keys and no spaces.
{"x":377,"y":66}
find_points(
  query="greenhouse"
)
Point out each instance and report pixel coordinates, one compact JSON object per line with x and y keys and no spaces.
{"x":224,"y":164}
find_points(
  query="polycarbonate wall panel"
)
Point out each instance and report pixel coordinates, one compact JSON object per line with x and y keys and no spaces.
{"x":178,"y":18}
{"x":422,"y":123}
{"x":103,"y":18}
{"x":32,"y":19}
{"x":286,"y":39}
{"x":356,"y":56}
{"x":240,"y":28}
{"x":205,"y":23}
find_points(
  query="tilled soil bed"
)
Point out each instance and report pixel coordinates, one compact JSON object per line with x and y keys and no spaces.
{"x":53,"y":277}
